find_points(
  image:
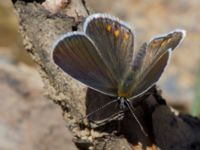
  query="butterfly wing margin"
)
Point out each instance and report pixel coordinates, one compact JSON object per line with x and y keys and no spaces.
{"x":114,"y":39}
{"x":76,"y":54}
{"x":156,"y":59}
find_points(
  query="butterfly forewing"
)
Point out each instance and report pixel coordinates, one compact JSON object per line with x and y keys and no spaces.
{"x":76,"y":55}
{"x":114,"y":39}
{"x":155,"y":60}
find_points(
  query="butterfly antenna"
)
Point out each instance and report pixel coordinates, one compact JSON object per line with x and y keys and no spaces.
{"x":100,"y":108}
{"x":136,"y":118}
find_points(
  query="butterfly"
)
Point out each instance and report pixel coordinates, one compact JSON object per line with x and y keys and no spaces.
{"x":102,"y":57}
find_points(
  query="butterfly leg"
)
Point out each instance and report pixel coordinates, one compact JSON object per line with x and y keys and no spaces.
{"x":116,"y":116}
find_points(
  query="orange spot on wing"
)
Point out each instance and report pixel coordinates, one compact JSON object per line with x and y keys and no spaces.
{"x":108,"y":28}
{"x":155,"y":44}
{"x":169,"y":40}
{"x":126,"y":36}
{"x":116,"y":33}
{"x":164,"y":43}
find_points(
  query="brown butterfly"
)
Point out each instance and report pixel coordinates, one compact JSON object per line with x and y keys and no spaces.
{"x":103,"y":57}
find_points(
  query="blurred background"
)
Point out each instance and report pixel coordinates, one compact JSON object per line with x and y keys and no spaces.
{"x":22,"y":96}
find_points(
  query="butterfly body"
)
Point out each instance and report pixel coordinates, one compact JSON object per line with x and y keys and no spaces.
{"x":124,"y":87}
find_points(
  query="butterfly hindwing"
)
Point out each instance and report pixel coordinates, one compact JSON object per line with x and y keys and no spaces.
{"x":160,"y":45}
{"x":114,"y":39}
{"x":76,"y":55}
{"x":146,"y":81}
{"x":156,"y":59}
